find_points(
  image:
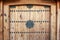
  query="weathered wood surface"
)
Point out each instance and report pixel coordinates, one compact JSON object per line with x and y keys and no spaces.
{"x":0,"y":20}
{"x":6,"y":23}
{"x":17,"y":2}
{"x":53,"y":16}
{"x":42,"y":27}
{"x":58,"y":20}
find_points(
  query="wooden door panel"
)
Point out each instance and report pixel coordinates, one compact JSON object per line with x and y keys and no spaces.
{"x":20,"y":27}
{"x":37,"y":36}
{"x":37,"y":27}
{"x":38,"y":15}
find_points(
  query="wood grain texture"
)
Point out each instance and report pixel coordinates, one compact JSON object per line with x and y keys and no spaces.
{"x":58,"y":20}
{"x":23,"y":36}
{"x":42,"y":27}
{"x":17,"y":2}
{"x":6,"y":23}
{"x":0,"y":20}
{"x":53,"y":22}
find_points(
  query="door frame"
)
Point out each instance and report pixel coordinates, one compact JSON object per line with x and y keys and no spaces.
{"x":52,"y":11}
{"x":35,"y":5}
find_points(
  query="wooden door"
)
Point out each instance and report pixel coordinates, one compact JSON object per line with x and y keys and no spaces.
{"x":29,"y":22}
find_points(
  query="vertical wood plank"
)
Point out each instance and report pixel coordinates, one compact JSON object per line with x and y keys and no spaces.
{"x":58,"y":20}
{"x":53,"y":22}
{"x":0,"y":20}
{"x":6,"y":22}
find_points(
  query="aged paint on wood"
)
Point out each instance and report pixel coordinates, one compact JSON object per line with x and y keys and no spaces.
{"x":6,"y":24}
{"x":19,"y":15}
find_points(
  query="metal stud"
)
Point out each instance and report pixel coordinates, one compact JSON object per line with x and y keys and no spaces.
{"x":14,"y":10}
{"x":11,"y":10}
{"x":14,"y":21}
{"x":43,"y":10}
